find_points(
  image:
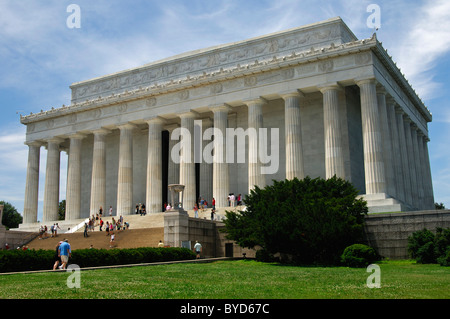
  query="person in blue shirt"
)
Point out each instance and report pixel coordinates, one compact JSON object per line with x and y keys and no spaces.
{"x":65,"y":253}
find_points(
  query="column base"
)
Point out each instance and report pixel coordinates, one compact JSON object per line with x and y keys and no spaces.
{"x":384,"y":203}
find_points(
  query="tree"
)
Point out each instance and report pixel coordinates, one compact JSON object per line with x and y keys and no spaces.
{"x":11,"y":217}
{"x":439,"y":206}
{"x":62,"y":210}
{"x":312,"y":220}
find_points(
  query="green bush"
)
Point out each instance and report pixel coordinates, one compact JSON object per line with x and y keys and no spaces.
{"x":264,"y":256}
{"x":421,"y":246}
{"x":359,"y":255}
{"x":19,"y":260}
{"x":428,"y":248}
{"x":444,"y":260}
{"x":441,"y":242}
{"x":310,"y":220}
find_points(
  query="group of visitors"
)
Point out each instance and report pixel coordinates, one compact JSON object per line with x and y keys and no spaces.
{"x":43,"y":231}
{"x":234,"y":200}
{"x":94,"y":221}
{"x":140,"y":209}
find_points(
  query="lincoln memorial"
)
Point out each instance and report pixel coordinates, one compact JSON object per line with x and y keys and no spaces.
{"x":330,"y":105}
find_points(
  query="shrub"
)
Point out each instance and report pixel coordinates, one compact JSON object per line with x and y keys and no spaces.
{"x":264,"y":256}
{"x":441,"y":242}
{"x":311,"y":220}
{"x":19,"y":260}
{"x":421,"y":246}
{"x":444,"y":260}
{"x":426,"y":247}
{"x":359,"y":255}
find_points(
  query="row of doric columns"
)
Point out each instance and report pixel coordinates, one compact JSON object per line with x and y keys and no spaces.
{"x":396,"y":159}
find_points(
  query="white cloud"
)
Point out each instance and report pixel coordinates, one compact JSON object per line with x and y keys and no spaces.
{"x":427,"y":40}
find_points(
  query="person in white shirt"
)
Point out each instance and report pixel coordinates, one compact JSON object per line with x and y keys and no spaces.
{"x":198,"y":249}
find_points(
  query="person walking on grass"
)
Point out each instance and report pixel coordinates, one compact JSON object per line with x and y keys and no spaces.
{"x":57,"y":259}
{"x":198,"y":249}
{"x":64,"y":253}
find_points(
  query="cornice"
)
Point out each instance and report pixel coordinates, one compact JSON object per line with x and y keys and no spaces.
{"x":197,"y":80}
{"x":401,"y":80}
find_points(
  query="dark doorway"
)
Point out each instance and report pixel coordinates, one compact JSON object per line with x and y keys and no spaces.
{"x":229,"y":250}
{"x":165,"y":166}
{"x":197,"y":182}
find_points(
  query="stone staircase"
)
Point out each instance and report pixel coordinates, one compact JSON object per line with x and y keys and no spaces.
{"x":144,"y":231}
{"x":130,"y":238}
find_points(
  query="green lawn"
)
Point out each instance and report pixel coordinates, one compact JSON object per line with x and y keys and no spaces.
{"x":240,"y":279}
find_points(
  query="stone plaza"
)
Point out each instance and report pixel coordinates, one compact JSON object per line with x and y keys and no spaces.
{"x":341,"y":106}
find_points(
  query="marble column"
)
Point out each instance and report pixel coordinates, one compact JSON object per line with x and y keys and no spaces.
{"x":429,"y":194}
{"x":418,"y":167}
{"x":411,"y":161}
{"x":334,"y":155}
{"x":221,"y":182}
{"x":293,"y":136}
{"x":73,"y":189}
{"x":52,"y":172}
{"x":125,"y":173}
{"x":387,"y":143}
{"x":255,"y":121}
{"x":404,"y":155}
{"x":187,"y":164}
{"x":154,"y":166}
{"x":374,"y":170}
{"x":98,"y":179}
{"x":206,"y":168}
{"x":174,"y":161}
{"x":30,"y":206}
{"x":396,"y":156}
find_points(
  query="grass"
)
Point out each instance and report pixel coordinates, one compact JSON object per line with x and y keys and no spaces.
{"x":241,"y":279}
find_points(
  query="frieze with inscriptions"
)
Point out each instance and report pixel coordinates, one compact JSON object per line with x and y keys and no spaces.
{"x":225,"y":56}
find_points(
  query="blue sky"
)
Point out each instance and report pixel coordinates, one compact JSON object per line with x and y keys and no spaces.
{"x":40,"y":57}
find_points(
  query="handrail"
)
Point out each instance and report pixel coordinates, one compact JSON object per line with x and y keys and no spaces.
{"x":74,"y":229}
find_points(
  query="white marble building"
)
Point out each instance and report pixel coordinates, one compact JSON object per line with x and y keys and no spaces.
{"x":341,"y":105}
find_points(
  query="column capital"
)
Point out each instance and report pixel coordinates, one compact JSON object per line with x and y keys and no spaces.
{"x":77,"y":136}
{"x":407,"y":119}
{"x":287,"y":94}
{"x":381,"y":89}
{"x":365,"y":80}
{"x":102,"y":131}
{"x":420,"y":133}
{"x":390,"y":100}
{"x":56,"y":140}
{"x":329,"y":86}
{"x":188,"y":114}
{"x":33,"y":143}
{"x":253,"y":101}
{"x":129,"y":126}
{"x":220,"y":108}
{"x":398,"y":109}
{"x":207,"y":121}
{"x":155,"y":120}
{"x":171,"y":127}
